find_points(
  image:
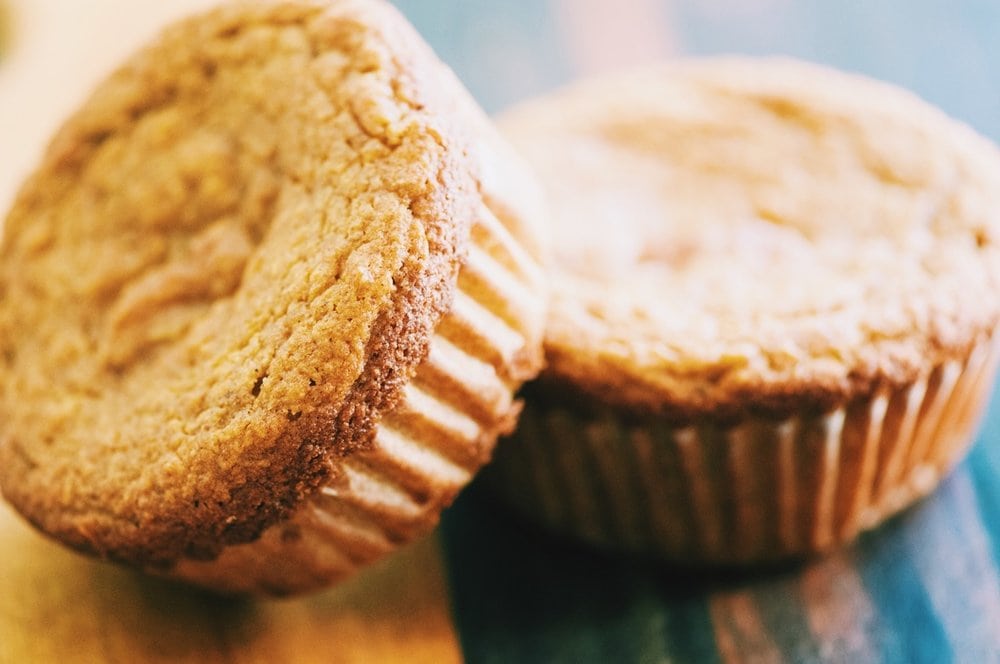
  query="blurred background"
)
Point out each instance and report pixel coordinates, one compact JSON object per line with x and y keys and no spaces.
{"x":486,"y":588}
{"x":945,"y":50}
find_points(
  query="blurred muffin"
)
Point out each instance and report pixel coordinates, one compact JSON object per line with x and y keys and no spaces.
{"x":266,"y":301}
{"x":775,"y":298}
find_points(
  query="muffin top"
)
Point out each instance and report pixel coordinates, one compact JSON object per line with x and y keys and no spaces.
{"x":226,"y":267}
{"x":738,"y":234}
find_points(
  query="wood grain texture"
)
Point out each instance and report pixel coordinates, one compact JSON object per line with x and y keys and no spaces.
{"x":57,"y":606}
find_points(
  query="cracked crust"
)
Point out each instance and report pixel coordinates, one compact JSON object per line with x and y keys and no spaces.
{"x":736,"y":236}
{"x":230,"y":261}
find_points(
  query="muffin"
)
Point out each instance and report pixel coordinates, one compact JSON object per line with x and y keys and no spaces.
{"x":267,"y":299}
{"x":775,"y":295}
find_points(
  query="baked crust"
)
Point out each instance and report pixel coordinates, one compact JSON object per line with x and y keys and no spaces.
{"x":742,"y":237}
{"x":230,"y":261}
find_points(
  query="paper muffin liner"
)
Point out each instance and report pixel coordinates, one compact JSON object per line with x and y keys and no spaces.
{"x":427,"y":448}
{"x":756,"y":490}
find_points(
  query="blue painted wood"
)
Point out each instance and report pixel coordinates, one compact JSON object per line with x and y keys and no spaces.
{"x":984,"y":469}
{"x":784,"y":619}
{"x":503,"y":51}
{"x":521,"y":595}
{"x":946,"y":51}
{"x":913,"y":632}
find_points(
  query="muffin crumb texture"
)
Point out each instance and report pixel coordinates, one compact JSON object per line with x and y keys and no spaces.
{"x":227,"y":266}
{"x":738,"y":233}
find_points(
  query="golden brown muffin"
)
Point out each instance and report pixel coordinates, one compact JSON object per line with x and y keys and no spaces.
{"x":266,"y":300}
{"x":775,"y":296}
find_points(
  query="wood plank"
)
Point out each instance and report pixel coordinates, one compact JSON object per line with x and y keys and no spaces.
{"x":57,"y":606}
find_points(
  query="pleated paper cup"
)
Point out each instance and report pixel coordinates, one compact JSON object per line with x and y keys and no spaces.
{"x":750,"y":491}
{"x":428,"y":447}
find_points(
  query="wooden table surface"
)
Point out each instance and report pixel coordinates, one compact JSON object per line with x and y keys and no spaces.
{"x":486,"y":587}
